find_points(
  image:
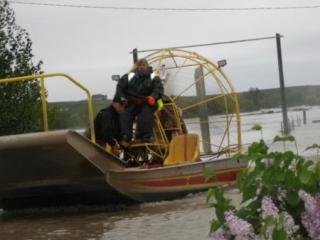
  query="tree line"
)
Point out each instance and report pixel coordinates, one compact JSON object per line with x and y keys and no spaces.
{"x":74,"y":114}
{"x":19,"y":102}
{"x":256,"y":99}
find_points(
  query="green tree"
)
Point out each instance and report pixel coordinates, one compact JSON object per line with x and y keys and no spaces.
{"x":19,"y":102}
{"x":255,"y":96}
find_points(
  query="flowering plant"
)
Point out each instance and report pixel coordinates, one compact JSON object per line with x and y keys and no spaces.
{"x":280,"y":197}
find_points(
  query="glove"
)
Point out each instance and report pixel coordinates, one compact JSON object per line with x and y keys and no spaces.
{"x":160,"y":104}
{"x":150,"y":101}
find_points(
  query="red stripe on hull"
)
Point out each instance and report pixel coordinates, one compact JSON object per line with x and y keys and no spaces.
{"x":194,"y":180}
{"x":221,"y":177}
{"x":166,"y":183}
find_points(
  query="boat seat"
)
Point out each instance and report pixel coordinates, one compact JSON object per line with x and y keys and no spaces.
{"x":182,"y":149}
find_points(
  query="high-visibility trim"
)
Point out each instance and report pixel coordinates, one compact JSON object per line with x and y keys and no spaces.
{"x":153,"y":75}
{"x":130,"y":75}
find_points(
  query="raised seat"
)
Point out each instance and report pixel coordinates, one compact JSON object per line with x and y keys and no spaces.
{"x":183,"y":148}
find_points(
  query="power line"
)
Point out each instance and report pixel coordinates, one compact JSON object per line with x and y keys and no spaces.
{"x":165,"y":9}
{"x":208,"y":44}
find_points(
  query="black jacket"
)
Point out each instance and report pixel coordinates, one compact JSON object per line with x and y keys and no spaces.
{"x":139,"y":86}
{"x":107,"y":126}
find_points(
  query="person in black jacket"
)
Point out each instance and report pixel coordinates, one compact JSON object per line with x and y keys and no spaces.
{"x":107,"y":125}
{"x":140,"y":89}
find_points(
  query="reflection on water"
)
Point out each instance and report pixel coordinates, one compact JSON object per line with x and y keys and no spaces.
{"x":187,"y":218}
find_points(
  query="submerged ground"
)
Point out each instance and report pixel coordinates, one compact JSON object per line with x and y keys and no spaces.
{"x":187,"y":218}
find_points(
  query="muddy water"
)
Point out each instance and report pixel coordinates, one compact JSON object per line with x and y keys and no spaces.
{"x":187,"y":218}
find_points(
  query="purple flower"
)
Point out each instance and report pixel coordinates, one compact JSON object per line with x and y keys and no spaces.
{"x":241,"y":229}
{"x":311,"y":217}
{"x":289,"y":225}
{"x":269,"y":208}
{"x":219,"y":235}
{"x":309,"y":202}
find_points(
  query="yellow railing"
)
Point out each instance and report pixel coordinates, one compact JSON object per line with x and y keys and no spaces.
{"x":42,"y":78}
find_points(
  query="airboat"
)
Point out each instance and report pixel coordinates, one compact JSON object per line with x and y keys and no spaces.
{"x":198,"y":130}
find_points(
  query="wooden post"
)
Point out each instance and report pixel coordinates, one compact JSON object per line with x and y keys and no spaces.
{"x":304,"y":117}
{"x":203,"y":110}
{"x":286,"y":129}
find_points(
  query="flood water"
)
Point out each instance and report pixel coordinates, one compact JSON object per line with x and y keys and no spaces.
{"x":187,"y":218}
{"x":305,"y":134}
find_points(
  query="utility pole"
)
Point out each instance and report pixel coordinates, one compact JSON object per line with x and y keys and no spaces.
{"x":203,"y":110}
{"x":286,"y":129}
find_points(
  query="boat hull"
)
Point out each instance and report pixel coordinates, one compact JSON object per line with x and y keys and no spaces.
{"x":55,"y":168}
{"x":165,"y":183}
{"x":64,"y":168}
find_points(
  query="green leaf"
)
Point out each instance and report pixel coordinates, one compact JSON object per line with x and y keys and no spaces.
{"x":256,"y":127}
{"x":308,"y":164}
{"x":222,"y":204}
{"x":279,"y":234}
{"x":277,"y":138}
{"x":241,"y":178}
{"x":291,"y":181}
{"x":268,"y":221}
{"x":279,"y":176}
{"x":288,"y":157}
{"x":209,"y":195}
{"x":317,"y":170}
{"x":313,"y":146}
{"x":215,"y":225}
{"x":257,"y":148}
{"x":288,"y":138}
{"x":304,"y":175}
{"x":249,"y":192}
{"x":249,"y":211}
{"x":292,"y":198}
{"x":208,"y":173}
{"x":218,"y":194}
{"x":260,"y":166}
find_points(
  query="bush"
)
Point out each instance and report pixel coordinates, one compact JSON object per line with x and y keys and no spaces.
{"x":280,"y":197}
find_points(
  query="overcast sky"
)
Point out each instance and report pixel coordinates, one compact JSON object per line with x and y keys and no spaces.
{"x":93,"y":44}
